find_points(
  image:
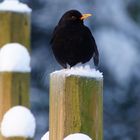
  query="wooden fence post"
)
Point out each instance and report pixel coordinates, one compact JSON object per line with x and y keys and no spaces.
{"x":14,"y":90}
{"x":14,"y":78}
{"x":14,"y":27}
{"x":76,"y":105}
{"x":14,"y":23}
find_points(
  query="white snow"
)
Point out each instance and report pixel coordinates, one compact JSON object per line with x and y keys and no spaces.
{"x":14,"y":57}
{"x":18,"y":122}
{"x":77,"y":136}
{"x":45,"y":136}
{"x":14,"y":6}
{"x":85,"y":71}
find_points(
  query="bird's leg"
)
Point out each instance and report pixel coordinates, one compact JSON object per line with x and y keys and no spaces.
{"x":69,"y":67}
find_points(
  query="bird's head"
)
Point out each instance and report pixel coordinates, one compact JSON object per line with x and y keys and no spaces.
{"x":73,"y":16}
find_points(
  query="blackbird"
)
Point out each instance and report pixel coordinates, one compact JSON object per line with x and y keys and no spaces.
{"x":72,"y":42}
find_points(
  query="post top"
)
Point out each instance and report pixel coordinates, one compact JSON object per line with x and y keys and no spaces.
{"x":14,"y":6}
{"x":11,"y":56}
{"x":23,"y":127}
{"x":80,"y":71}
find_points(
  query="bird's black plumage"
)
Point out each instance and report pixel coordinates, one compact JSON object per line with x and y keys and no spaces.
{"x":72,"y":42}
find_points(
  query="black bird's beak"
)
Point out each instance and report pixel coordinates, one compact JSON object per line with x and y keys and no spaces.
{"x":84,"y":16}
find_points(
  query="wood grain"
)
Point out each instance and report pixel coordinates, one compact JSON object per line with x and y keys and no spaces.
{"x":14,"y":90}
{"x":76,"y":105}
{"x":15,"y":27}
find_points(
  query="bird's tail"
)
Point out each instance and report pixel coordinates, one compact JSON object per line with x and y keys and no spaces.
{"x":96,"y":59}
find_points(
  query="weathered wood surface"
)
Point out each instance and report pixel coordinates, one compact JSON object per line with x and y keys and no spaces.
{"x":76,"y":105}
{"x":15,"y":27}
{"x":14,"y":90}
{"x":14,"y":86}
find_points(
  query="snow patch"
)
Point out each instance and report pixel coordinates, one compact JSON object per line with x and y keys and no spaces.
{"x":14,"y":57}
{"x":46,"y":136}
{"x":77,"y":136}
{"x":18,"y":122}
{"x":85,"y":71}
{"x":14,"y":6}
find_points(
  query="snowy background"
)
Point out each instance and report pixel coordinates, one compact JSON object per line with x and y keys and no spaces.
{"x":115,"y":25}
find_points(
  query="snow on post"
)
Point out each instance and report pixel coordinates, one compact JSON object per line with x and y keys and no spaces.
{"x":76,"y":103}
{"x":14,"y":6}
{"x":14,"y":77}
{"x":18,"y":123}
{"x":45,"y":136}
{"x":14,"y":57}
{"x":15,"y":22}
{"x":78,"y":136}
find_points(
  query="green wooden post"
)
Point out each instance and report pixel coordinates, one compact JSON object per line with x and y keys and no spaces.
{"x":14,"y":24}
{"x":76,"y":105}
{"x":14,"y":27}
{"x":14,"y":90}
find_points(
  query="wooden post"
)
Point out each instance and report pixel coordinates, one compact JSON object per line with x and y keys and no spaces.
{"x":14,"y":90}
{"x":14,"y":27}
{"x":76,"y":105}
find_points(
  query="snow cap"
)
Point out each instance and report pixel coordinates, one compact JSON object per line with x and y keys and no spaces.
{"x":45,"y":136}
{"x":85,"y":71}
{"x":14,"y":57}
{"x":77,"y":136}
{"x":14,"y":6}
{"x":18,"y":122}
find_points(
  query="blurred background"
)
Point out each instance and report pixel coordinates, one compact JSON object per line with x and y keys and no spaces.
{"x":115,"y":25}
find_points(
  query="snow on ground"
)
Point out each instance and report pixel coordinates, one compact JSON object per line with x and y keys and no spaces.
{"x":18,"y":122}
{"x":14,"y":5}
{"x":14,"y":57}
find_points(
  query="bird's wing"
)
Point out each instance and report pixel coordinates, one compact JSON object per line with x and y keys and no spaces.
{"x":58,"y":58}
{"x":96,"y":53}
{"x":53,"y":35}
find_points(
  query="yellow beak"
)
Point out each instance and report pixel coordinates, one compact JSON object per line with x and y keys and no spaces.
{"x":84,"y":16}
